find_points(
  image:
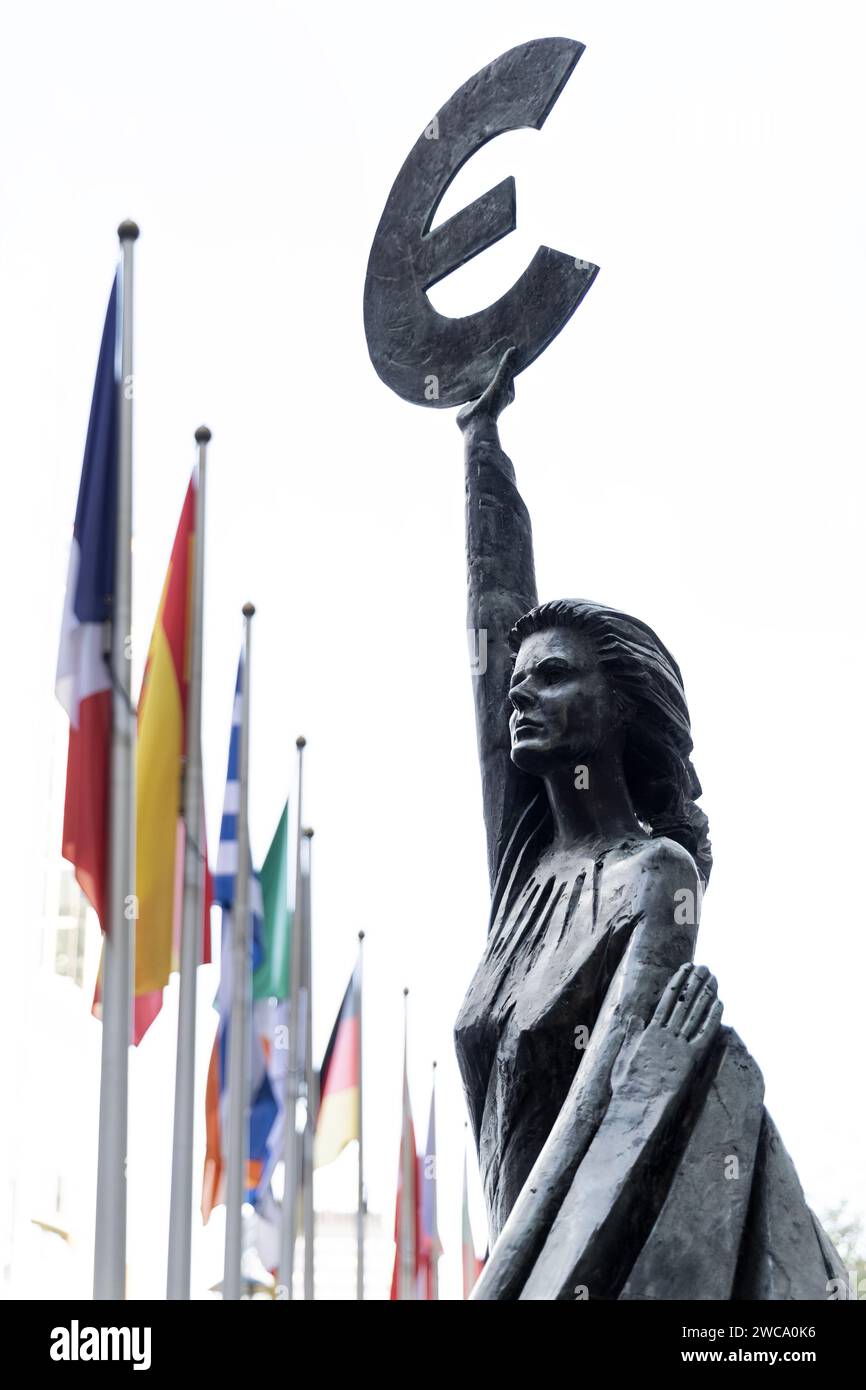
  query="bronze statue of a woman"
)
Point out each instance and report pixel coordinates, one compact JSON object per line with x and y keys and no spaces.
{"x":624,"y":1147}
{"x":623,"y":1144}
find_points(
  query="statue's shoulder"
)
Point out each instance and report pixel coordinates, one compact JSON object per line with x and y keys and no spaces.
{"x":663,"y":867}
{"x":656,"y":883}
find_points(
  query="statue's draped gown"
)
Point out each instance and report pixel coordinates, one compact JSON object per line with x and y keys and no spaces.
{"x":552,"y":950}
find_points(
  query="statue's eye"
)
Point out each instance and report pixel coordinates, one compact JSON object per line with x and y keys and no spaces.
{"x":552,"y":671}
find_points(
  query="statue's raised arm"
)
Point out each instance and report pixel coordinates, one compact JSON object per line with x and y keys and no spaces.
{"x":500,"y":588}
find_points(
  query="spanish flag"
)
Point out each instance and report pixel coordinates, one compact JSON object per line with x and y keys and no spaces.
{"x":159,"y":827}
{"x":339,"y":1120}
{"x":159,"y":761}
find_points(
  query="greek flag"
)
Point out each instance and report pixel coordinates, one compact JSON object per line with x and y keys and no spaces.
{"x":263,"y":1106}
{"x":225,"y":879}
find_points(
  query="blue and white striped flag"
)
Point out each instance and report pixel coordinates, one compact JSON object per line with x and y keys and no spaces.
{"x":263,"y":1107}
{"x":226,"y":876}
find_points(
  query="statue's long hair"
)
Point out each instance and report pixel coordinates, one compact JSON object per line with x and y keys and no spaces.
{"x":645,"y":678}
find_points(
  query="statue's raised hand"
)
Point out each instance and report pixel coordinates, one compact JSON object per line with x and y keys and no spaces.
{"x":498,"y":395}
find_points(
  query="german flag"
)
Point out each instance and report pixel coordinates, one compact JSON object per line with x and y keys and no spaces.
{"x":339,"y":1119}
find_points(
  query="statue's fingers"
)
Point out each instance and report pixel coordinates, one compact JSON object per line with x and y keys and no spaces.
{"x":497,"y":394}
{"x":502,"y":385}
{"x":712,"y":1019}
{"x":700,"y":1008}
{"x":670,"y":994}
{"x":692,"y":986}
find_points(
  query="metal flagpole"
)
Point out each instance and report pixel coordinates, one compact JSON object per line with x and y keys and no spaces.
{"x":180,"y":1210}
{"x":466,"y":1233}
{"x":118,"y":958}
{"x":239,"y":1023}
{"x":361,"y":1201}
{"x":310,"y":1082}
{"x":434,"y":1179}
{"x":290,"y":1145}
{"x":407,"y":1284}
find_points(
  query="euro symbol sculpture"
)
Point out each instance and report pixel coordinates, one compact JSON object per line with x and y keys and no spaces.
{"x":427,"y":357}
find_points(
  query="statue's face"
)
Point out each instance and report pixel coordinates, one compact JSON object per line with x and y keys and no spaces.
{"x":563,"y":710}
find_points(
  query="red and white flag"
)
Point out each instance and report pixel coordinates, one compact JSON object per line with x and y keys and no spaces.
{"x":404,"y":1280}
{"x":430,"y":1249}
{"x":472,"y":1266}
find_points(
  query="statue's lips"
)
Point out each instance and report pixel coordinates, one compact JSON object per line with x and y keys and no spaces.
{"x":527,"y":726}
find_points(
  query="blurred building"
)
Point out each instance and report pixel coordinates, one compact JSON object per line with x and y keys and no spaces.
{"x":49,"y":1171}
{"x":336,"y":1258}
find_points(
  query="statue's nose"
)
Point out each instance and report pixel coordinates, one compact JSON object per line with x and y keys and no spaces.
{"x":521,"y":696}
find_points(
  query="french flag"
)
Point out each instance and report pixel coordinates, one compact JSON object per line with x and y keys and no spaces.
{"x":83,"y":685}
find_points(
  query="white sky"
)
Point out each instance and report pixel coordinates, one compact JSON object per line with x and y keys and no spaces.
{"x":690,"y":449}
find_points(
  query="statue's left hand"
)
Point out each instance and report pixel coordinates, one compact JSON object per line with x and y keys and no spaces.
{"x":685,"y":1022}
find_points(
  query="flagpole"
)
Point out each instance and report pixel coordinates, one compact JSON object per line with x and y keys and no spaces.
{"x":310,"y":1086}
{"x":360,"y":1259}
{"x":180,"y":1210}
{"x":238,"y":1119}
{"x":434,"y":1178}
{"x":290,"y":1145}
{"x":466,"y":1232}
{"x":109,"y":1258}
{"x":406,"y":1287}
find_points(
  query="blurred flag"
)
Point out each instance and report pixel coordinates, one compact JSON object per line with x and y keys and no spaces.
{"x":271,"y":989}
{"x":271,"y":980}
{"x":267,"y":1230}
{"x":84,"y":684}
{"x":160,"y":833}
{"x":213,"y":1180}
{"x":404,"y":1280}
{"x":430,"y":1248}
{"x":339,"y":1118}
{"x":263,"y":1106}
{"x":159,"y":762}
{"x":472,"y":1266}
